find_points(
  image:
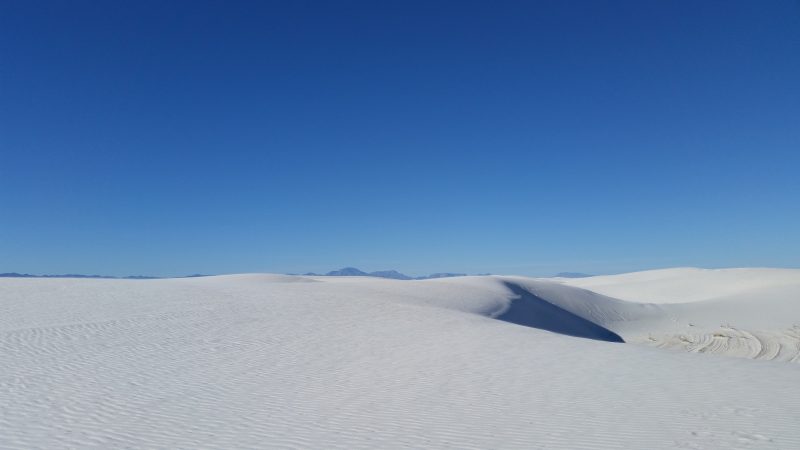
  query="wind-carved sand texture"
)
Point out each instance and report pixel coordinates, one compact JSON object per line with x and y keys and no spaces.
{"x":272,"y":361}
{"x":749,"y":313}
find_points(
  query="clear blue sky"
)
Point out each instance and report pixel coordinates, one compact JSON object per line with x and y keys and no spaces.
{"x":168,"y":138}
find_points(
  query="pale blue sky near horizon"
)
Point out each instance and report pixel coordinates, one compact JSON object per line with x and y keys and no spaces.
{"x":510,"y":137}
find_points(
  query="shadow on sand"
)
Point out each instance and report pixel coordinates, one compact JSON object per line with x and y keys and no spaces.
{"x":532,"y":311}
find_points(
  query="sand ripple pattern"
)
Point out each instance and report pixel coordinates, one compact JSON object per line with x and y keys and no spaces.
{"x":727,"y":340}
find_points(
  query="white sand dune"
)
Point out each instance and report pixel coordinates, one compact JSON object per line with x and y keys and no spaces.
{"x":270,"y":361}
{"x":753,"y":313}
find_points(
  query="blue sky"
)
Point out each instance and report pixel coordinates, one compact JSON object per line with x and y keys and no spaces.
{"x":168,"y":138}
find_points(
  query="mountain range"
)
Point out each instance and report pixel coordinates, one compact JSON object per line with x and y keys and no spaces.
{"x":343,"y":272}
{"x":393,"y":274}
{"x":74,"y":275}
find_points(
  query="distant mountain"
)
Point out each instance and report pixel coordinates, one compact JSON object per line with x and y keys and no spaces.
{"x":343,"y":272}
{"x":347,"y":272}
{"x":392,"y":274}
{"x":68,"y":275}
{"x":573,"y":275}
{"x":75,"y":275}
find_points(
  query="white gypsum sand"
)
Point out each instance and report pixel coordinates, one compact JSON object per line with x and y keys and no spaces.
{"x":752,"y":313}
{"x":271,"y":361}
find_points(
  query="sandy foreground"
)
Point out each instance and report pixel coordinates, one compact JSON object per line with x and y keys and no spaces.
{"x":274,"y":361}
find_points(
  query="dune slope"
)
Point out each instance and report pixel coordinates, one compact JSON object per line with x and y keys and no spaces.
{"x":752,"y":313}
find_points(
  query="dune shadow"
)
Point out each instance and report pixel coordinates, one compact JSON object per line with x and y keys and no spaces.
{"x":532,"y":311}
